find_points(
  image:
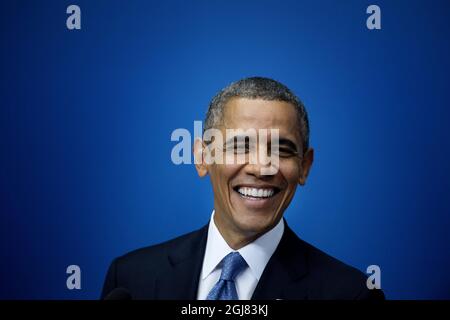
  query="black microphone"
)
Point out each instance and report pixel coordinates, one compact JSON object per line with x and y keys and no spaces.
{"x":118,"y":294}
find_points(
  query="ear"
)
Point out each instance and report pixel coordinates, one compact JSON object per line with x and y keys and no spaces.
{"x":306,"y":164}
{"x":199,"y":160}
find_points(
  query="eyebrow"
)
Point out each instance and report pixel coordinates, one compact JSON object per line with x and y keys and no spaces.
{"x":288,"y":143}
{"x":237,"y":138}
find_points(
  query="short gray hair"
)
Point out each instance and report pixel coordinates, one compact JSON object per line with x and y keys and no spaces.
{"x":257,"y":88}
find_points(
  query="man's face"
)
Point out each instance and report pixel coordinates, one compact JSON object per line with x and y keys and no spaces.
{"x":246,"y":201}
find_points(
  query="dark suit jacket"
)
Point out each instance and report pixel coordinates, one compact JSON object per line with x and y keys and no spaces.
{"x":296,"y":270}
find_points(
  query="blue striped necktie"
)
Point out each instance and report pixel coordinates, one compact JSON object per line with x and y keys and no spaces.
{"x":225,"y":289}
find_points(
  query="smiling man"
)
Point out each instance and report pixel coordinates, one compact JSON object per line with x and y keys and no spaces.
{"x":247,"y":250}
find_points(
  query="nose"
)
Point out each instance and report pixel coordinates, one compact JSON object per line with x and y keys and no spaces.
{"x":261,"y":164}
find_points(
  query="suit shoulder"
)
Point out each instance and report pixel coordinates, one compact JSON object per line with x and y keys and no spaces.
{"x":137,"y":270}
{"x":335,"y":279}
{"x":322,"y":262}
{"x":156,"y":251}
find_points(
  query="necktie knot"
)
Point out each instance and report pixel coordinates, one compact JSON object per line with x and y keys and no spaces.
{"x":233,"y":263}
{"x":225,"y":288}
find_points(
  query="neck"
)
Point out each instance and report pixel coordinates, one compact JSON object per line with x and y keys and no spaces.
{"x":234,"y":238}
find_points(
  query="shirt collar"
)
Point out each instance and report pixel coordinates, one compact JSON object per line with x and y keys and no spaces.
{"x":256,"y":253}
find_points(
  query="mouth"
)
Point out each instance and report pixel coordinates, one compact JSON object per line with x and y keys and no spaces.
{"x":256,"y":193}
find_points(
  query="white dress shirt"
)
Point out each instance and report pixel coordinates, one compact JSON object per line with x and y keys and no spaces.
{"x":256,"y":254}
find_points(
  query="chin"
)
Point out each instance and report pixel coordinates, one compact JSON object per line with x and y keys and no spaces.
{"x":254,"y":225}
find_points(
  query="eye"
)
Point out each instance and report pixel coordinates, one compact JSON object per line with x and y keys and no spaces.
{"x":284,"y":152}
{"x":241,"y":148}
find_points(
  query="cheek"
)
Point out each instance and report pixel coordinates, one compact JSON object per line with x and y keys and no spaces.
{"x":290,"y":170}
{"x":221,"y":175}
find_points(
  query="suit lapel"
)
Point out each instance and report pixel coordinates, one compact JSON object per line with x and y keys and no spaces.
{"x":180,"y":281}
{"x":285,"y":274}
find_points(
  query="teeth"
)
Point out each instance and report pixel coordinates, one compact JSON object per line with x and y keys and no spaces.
{"x":256,"y":192}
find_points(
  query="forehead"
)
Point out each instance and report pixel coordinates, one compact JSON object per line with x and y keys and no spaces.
{"x":243,"y":113}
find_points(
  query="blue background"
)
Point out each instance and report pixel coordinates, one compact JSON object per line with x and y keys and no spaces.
{"x":86,"y":118}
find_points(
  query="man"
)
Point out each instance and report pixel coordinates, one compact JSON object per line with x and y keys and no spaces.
{"x":247,"y":250}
